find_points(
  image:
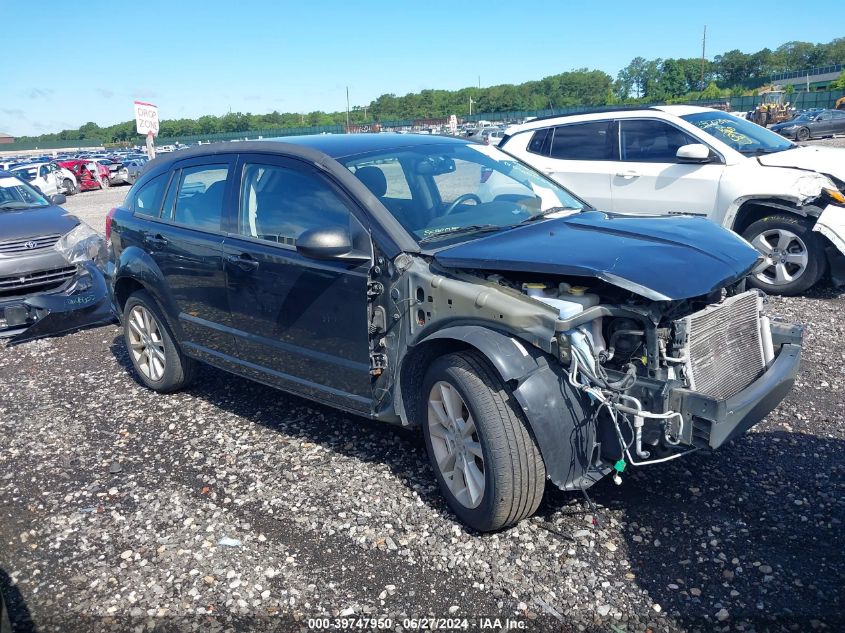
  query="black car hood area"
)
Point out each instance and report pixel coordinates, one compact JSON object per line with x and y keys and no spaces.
{"x":660,"y":258}
{"x":19,"y":224}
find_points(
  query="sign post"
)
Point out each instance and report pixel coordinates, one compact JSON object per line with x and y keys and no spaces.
{"x":146,"y":122}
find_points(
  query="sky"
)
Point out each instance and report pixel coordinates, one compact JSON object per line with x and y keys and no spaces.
{"x":194,"y":57}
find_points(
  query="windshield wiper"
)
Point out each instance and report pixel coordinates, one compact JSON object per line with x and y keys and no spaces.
{"x":457,"y":230}
{"x":541,"y":214}
{"x":14,"y":205}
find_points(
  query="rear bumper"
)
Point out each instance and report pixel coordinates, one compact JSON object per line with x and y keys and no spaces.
{"x":82,"y":302}
{"x":717,"y":421}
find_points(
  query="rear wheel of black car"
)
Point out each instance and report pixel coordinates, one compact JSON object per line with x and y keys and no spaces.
{"x":484,"y":456}
{"x":794,"y":254}
{"x":158,"y":362}
{"x":802,"y":134}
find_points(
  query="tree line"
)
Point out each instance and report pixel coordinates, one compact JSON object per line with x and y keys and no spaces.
{"x":643,"y":80}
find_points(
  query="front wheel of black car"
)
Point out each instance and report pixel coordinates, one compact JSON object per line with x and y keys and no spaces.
{"x":484,"y":456}
{"x":802,"y":134}
{"x":158,"y":362}
{"x":794,"y":254}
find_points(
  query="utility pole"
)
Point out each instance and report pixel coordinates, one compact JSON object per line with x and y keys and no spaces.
{"x":470,"y":105}
{"x":703,"y":58}
{"x":347,"y":109}
{"x":479,"y":82}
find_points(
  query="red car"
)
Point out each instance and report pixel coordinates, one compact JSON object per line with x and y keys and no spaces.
{"x":85,"y":177}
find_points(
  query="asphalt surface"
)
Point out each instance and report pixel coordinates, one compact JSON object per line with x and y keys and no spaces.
{"x":232,"y":506}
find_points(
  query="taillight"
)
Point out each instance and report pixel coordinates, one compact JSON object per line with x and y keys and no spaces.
{"x":109,"y":218}
{"x":486,"y":172}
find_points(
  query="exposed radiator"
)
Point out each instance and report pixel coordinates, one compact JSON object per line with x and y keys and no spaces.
{"x":724,"y":346}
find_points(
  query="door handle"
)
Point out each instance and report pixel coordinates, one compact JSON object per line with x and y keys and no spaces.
{"x":628,"y":174}
{"x":156,"y":240}
{"x":243,"y":261}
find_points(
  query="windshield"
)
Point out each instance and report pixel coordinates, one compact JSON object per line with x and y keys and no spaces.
{"x":441,"y":192}
{"x":15,"y":194}
{"x":743,"y":136}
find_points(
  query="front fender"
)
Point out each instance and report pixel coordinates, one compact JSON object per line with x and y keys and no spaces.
{"x":561,"y":418}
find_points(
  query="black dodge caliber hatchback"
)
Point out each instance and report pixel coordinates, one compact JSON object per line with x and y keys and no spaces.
{"x":439,"y":283}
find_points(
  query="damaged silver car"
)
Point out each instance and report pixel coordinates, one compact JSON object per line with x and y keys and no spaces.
{"x":49,"y":280}
{"x":441,"y":284}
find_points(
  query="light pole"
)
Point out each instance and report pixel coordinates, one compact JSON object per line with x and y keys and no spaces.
{"x":470,"y":105}
{"x":347,"y":109}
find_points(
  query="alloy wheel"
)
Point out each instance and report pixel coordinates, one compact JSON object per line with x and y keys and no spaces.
{"x":785,"y":254}
{"x":456,"y":445}
{"x":145,"y":343}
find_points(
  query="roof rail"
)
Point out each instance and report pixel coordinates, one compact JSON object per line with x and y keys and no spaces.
{"x":596,"y":110}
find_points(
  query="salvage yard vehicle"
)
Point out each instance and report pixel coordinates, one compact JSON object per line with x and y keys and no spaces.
{"x":785,"y":199}
{"x":49,"y":279}
{"x":529,"y":336}
{"x":812,"y":125}
{"x":86,"y":180}
{"x":47,"y":177}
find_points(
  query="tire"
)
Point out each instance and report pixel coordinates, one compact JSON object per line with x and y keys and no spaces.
{"x":497,"y":440}
{"x":794,"y":252}
{"x":104,"y":182}
{"x":803,"y":134}
{"x":69,"y":186}
{"x":165,"y":368}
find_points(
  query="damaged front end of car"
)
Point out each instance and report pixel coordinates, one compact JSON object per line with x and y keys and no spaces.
{"x":52,"y":285}
{"x":621,"y":342}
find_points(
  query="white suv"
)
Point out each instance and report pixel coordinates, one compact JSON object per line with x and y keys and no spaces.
{"x":785,"y":199}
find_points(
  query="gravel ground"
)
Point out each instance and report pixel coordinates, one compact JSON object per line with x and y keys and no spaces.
{"x":232,"y":506}
{"x":92,"y":206}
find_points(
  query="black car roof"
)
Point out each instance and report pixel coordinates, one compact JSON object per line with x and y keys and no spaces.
{"x":338,"y":145}
{"x":332,"y":145}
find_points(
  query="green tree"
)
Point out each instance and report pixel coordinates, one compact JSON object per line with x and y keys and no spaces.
{"x":672,"y":82}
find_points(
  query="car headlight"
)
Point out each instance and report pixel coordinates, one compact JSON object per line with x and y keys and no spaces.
{"x":834,"y":194}
{"x":81,"y":244}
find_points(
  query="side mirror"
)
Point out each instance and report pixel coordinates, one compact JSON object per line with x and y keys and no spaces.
{"x":693,"y":153}
{"x":58,"y":199}
{"x":333,"y":242}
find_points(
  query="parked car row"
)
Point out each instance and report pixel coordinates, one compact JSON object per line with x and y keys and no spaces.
{"x":69,"y":174}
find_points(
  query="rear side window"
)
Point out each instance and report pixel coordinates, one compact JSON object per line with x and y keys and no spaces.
{"x":148,"y":199}
{"x":278,"y":204}
{"x":584,"y":141}
{"x":199,"y":203}
{"x":540,"y":142}
{"x":651,"y":141}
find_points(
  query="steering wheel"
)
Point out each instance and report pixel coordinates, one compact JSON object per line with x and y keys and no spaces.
{"x":459,"y":200}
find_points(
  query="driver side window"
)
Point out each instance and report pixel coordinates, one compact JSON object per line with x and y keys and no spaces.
{"x":278,"y":204}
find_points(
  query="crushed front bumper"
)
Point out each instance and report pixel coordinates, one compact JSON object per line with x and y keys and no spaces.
{"x":715,"y":421}
{"x":82,"y":302}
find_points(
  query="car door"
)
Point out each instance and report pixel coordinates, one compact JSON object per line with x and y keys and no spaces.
{"x":46,"y":181}
{"x":186,"y":242}
{"x":649,"y":179}
{"x":837,"y":121}
{"x":299,"y":323}
{"x":577,"y":155}
{"x":823,"y":124}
